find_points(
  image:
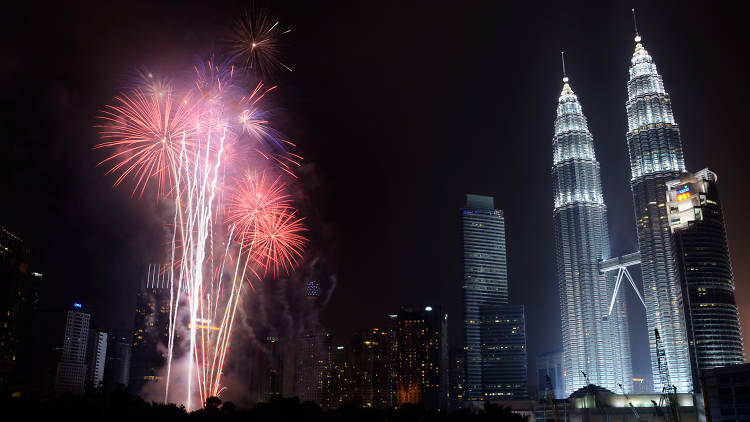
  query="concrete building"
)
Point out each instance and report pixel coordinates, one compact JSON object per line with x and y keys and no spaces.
{"x":313,"y":367}
{"x":71,"y":369}
{"x":423,"y":357}
{"x":96,"y":358}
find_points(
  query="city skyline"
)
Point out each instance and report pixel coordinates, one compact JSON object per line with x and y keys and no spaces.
{"x":415,"y":167}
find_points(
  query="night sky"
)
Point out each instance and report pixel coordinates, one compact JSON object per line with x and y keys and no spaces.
{"x":399,"y":111}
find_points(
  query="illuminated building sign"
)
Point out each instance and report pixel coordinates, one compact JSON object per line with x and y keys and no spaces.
{"x":683,"y":193}
{"x":77,"y":305}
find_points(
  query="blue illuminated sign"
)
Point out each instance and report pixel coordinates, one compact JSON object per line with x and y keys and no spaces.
{"x":77,"y":305}
{"x":684,"y":189}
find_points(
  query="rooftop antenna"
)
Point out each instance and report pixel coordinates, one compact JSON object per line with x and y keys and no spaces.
{"x":635,"y":25}
{"x":565,"y":75}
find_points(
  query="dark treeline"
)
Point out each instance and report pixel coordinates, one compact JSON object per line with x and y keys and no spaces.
{"x":122,"y":404}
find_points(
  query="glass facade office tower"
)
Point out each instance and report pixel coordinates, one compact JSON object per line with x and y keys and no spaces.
{"x":150,"y":330}
{"x":503,"y":332}
{"x":700,"y":240}
{"x":594,"y":342}
{"x":656,"y":157}
{"x":550,"y":365}
{"x":485,"y":280}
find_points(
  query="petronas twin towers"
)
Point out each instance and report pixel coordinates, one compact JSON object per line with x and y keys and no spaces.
{"x":595,"y":341}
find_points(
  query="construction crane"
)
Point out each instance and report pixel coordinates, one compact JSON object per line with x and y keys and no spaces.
{"x":592,"y":390}
{"x":551,"y":398}
{"x":668,"y":390}
{"x":635,"y":412}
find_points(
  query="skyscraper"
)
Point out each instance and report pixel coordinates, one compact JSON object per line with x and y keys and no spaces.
{"x":370,"y":356}
{"x":313,"y":367}
{"x":593,"y":341}
{"x":550,"y":365}
{"x":656,"y":157}
{"x":697,"y":224}
{"x":20,"y":345}
{"x":423,"y":357}
{"x":503,"y":332}
{"x":119,"y":352}
{"x":71,"y":369}
{"x":96,"y":357}
{"x":150,"y":329}
{"x":485,"y":280}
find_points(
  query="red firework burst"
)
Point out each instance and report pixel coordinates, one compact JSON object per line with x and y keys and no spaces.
{"x":279,"y":242}
{"x":266,"y":223}
{"x":254,"y":198}
{"x":148,"y":132}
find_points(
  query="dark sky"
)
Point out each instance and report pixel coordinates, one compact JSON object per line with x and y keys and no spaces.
{"x":399,"y":111}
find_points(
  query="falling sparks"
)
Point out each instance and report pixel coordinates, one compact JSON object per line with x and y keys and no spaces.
{"x":212,"y":152}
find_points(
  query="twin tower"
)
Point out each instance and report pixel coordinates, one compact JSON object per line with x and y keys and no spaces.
{"x":594,"y":329}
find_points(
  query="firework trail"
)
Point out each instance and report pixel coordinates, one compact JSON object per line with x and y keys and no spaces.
{"x":231,"y":223}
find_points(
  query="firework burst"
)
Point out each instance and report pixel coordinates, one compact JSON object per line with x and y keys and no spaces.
{"x":254,"y":42}
{"x":226,"y":228}
{"x":147,"y":131}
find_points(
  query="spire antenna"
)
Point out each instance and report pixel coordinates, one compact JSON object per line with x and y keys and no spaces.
{"x":565,"y":75}
{"x":635,"y":25}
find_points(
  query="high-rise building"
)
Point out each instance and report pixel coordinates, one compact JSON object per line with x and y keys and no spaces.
{"x":503,"y":333}
{"x":370,"y":356}
{"x":423,"y":357}
{"x":550,"y":365}
{"x":457,"y":379}
{"x":150,"y":329}
{"x":71,"y":369}
{"x":19,"y":309}
{"x":594,"y":341}
{"x":485,"y":280}
{"x":342,"y":380}
{"x":313,"y":367}
{"x":119,"y":353}
{"x":727,"y":390}
{"x":700,"y":240}
{"x":656,"y":157}
{"x":96,"y":352}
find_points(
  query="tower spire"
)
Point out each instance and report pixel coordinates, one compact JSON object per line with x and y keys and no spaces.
{"x":565,"y":75}
{"x":635,"y":25}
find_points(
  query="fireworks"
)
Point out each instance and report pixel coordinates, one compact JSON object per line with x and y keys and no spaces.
{"x":254,"y":41}
{"x":189,"y":146}
{"x":147,"y":131}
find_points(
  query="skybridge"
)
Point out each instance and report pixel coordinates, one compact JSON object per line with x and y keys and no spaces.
{"x":621,"y":264}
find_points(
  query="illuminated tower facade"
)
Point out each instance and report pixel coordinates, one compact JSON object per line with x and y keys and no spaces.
{"x":485,"y":280}
{"x":700,"y":240}
{"x":594,"y":341}
{"x":656,"y":157}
